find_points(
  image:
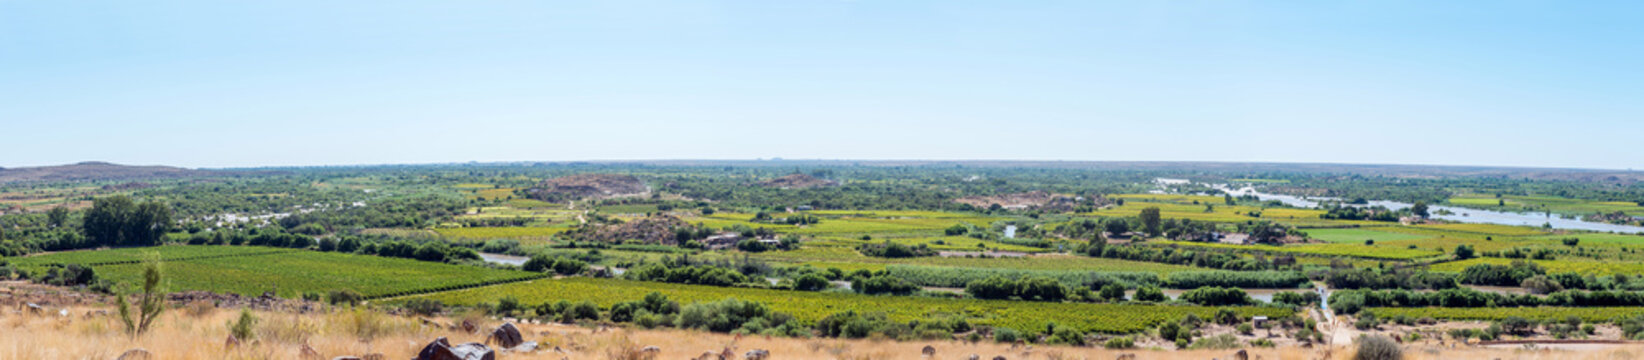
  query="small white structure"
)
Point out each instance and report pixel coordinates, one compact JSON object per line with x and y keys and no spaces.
{"x":1010,"y":231}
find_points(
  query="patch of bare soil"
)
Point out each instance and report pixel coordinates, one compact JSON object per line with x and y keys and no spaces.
{"x":1029,"y":200}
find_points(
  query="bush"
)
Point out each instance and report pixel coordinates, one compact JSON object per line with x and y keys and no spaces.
{"x":344,"y":297}
{"x":242,"y":327}
{"x":1246,"y":329}
{"x":425,"y":307}
{"x":1122,"y":342}
{"x":1150,"y":294}
{"x":1378,"y":348}
{"x":1006,"y":335}
{"x":1070,"y":336}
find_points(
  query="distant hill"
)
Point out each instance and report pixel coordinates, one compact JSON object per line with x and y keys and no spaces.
{"x":581,"y":186}
{"x":98,"y":171}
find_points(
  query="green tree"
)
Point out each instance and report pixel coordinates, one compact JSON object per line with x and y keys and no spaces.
{"x":1150,"y":221}
{"x":1464,"y":252}
{"x":118,"y":221}
{"x":57,"y":216}
{"x":1419,"y":209}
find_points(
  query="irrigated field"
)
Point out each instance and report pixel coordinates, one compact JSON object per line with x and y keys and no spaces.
{"x":812,"y":306}
{"x":291,"y":273}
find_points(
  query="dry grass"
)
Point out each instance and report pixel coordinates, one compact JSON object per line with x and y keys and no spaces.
{"x":190,"y":335}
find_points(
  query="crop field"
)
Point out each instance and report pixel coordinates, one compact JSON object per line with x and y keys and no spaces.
{"x":951,"y":243}
{"x":1348,"y":250}
{"x":1171,"y":207}
{"x":818,"y":256}
{"x":132,"y":255}
{"x":1553,"y":266}
{"x":508,"y":232}
{"x":1485,"y":229}
{"x":1588,"y":314}
{"x":290,"y":274}
{"x":813,"y":306}
{"x":1358,"y":235}
{"x":1556,"y":205}
{"x":858,"y":222}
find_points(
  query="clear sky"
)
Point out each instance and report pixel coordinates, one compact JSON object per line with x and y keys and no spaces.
{"x":263,"y":83}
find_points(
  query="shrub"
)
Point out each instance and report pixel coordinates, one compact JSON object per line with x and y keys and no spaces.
{"x":1006,"y":335}
{"x":1378,"y":348}
{"x":423,"y":306}
{"x":241,"y":328}
{"x":344,"y":297}
{"x":1122,"y":342}
{"x":1246,"y":329}
{"x":1150,"y":294}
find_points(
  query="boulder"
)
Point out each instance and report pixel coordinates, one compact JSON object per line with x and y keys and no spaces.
{"x":469,"y":327}
{"x":505,"y":336}
{"x":441,"y":349}
{"x":1241,"y":355}
{"x":134,"y":354}
{"x":757,"y":354}
{"x":928,"y":351}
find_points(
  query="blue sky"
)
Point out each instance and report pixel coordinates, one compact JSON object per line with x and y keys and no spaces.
{"x":240,"y":83}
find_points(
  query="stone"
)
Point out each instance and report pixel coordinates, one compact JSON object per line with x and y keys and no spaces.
{"x":134,"y":354}
{"x":505,"y":336}
{"x":757,"y":354}
{"x":441,"y":349}
{"x":928,"y":351}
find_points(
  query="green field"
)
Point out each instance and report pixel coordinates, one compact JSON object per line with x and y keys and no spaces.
{"x":508,"y":232}
{"x":834,"y":256}
{"x":1553,"y":266}
{"x":292,"y":273}
{"x":1348,"y":250}
{"x":133,"y":255}
{"x":812,"y":306}
{"x":1358,"y":235}
{"x":1589,"y":314}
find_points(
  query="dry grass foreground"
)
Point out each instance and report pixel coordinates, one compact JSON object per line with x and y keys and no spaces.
{"x":199,"y":332}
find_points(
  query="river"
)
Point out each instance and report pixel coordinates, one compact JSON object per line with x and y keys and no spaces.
{"x":1456,"y":214}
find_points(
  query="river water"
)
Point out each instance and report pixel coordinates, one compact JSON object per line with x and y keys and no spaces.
{"x":1456,"y":214}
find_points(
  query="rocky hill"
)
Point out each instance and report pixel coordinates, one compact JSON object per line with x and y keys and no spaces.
{"x":658,"y":229}
{"x":797,"y":181}
{"x":99,"y":171}
{"x":584,"y":186}
{"x":1027,"y":200}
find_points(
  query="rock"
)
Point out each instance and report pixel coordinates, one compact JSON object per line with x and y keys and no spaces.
{"x":973,"y":357}
{"x":523,"y":347}
{"x":134,"y":354}
{"x":441,"y":349}
{"x":757,"y":354}
{"x":346,"y":358}
{"x":36,"y":309}
{"x":1127,"y":356}
{"x":928,"y":350}
{"x":374,"y":356}
{"x":1000,"y":357}
{"x":1241,"y":355}
{"x":505,"y":336}
{"x":651,"y":349}
{"x":469,"y":327}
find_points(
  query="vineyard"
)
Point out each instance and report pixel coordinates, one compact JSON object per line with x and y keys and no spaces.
{"x":1591,"y":314}
{"x":135,"y":255}
{"x":812,"y":306}
{"x":1348,"y":250}
{"x":293,"y":273}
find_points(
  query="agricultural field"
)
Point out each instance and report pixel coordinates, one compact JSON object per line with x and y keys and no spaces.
{"x":1556,"y":205}
{"x":1347,"y":250}
{"x":1587,"y":314}
{"x":507,"y":232}
{"x":133,"y":255}
{"x":813,"y":306}
{"x":1212,"y":209}
{"x":292,"y":273}
{"x":831,"y":256}
{"x":1574,"y":265}
{"x":1359,"y":235}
